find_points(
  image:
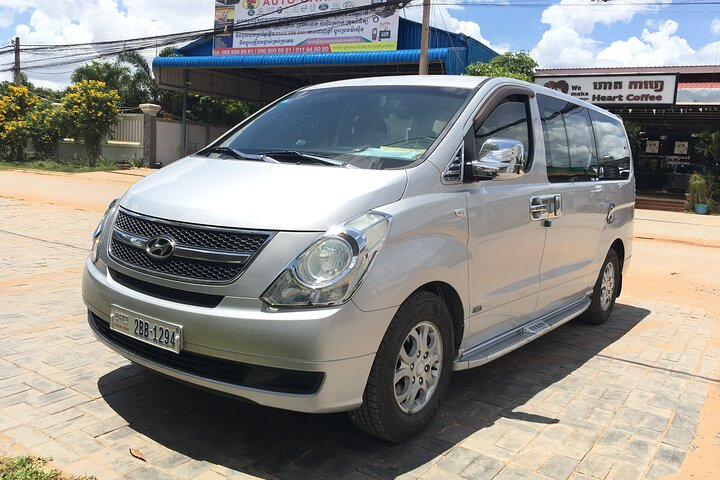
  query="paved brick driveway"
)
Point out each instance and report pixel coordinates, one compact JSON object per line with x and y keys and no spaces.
{"x":617,"y":401}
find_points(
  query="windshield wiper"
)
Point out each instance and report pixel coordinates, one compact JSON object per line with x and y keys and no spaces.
{"x":239,"y":155}
{"x":308,"y":156}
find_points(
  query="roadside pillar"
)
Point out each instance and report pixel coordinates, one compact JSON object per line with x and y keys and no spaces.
{"x":150,"y":112}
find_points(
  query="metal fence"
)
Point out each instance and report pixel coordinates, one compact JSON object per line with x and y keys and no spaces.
{"x":128,"y":130}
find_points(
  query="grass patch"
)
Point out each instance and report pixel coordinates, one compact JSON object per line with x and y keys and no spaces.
{"x":31,"y":468}
{"x":68,"y":166}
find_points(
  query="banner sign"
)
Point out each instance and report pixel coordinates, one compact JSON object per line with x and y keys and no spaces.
{"x":617,"y":89}
{"x":366,"y":30}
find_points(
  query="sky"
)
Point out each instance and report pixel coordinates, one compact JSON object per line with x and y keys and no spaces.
{"x":557,"y":33}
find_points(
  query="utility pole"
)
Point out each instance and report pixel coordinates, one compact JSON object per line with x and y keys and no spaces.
{"x":183,"y":118}
{"x":16,"y":67}
{"x":425,"y":38}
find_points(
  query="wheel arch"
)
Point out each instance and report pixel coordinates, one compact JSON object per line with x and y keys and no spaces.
{"x":452,"y":301}
{"x":619,"y":248}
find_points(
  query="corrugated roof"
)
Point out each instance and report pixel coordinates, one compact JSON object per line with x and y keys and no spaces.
{"x":300,"y":59}
{"x":685,"y":85}
{"x":685,"y":69}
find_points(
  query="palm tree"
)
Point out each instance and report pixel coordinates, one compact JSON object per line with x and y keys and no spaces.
{"x":708,"y":144}
{"x":141,"y":87}
{"x":115,"y":76}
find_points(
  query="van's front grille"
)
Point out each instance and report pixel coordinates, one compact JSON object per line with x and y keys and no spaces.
{"x":192,"y":253}
{"x":167,"y":293}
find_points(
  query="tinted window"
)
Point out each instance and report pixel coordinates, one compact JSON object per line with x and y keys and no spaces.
{"x":367,"y":127}
{"x":569,"y":143}
{"x":507,"y":120}
{"x":556,"y":144}
{"x":613,"y":150}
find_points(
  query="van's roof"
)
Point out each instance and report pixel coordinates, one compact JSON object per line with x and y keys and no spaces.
{"x":457,"y":81}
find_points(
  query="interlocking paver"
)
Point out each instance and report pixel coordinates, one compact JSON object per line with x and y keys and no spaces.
{"x":618,"y":401}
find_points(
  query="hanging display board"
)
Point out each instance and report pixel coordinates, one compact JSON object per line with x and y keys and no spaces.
{"x":365,"y":30}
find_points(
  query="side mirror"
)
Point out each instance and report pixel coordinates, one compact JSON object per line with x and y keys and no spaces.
{"x":499,"y":159}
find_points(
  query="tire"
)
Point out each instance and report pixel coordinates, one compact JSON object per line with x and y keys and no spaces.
{"x":604,"y":292}
{"x":396,"y":408}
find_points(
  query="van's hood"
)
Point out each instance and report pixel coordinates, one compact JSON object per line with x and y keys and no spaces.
{"x":263,"y":196}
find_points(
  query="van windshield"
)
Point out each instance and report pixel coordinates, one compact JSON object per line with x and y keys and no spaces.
{"x":363,"y":127}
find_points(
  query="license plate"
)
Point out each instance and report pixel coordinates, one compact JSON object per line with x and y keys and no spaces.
{"x":150,"y":330}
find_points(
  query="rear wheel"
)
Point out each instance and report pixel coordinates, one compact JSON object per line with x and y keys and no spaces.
{"x":411,"y":372}
{"x":604,"y":292}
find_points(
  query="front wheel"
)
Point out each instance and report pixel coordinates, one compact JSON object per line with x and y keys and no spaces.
{"x":604,"y":292}
{"x":411,"y":372}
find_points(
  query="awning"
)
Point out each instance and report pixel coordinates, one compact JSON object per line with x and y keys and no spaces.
{"x":302,"y":59}
{"x":698,"y":93}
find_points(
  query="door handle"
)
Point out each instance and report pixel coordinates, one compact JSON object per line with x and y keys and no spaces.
{"x":545,"y":204}
{"x":538,"y":208}
{"x":611,"y":213}
{"x":555,"y":205}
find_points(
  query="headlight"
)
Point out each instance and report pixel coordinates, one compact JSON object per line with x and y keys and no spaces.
{"x":330,"y":270}
{"x":99,"y":229}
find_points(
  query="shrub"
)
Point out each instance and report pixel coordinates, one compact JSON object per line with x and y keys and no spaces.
{"x":91,"y":110}
{"x":17,"y":107}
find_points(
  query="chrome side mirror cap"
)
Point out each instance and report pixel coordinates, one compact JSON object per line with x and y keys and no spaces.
{"x":499,"y":159}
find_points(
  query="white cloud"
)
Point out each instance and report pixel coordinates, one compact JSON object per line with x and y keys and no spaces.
{"x":583,"y":15}
{"x":659,"y":47}
{"x":6,"y":17}
{"x":81,"y":21}
{"x":715,"y":26}
{"x":441,"y":17}
{"x":569,"y":42}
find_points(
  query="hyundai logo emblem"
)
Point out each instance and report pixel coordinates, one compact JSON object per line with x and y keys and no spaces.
{"x":160,"y":248}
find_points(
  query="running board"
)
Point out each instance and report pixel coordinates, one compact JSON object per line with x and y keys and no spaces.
{"x":518,"y":337}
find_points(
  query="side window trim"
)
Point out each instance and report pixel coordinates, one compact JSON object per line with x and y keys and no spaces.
{"x":498,"y":96}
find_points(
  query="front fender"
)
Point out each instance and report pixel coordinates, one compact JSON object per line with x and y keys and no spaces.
{"x":427,"y":243}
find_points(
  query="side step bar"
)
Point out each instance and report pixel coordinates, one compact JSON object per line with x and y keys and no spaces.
{"x":518,"y":337}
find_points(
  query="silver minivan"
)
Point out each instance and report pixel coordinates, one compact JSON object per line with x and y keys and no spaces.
{"x":350,"y":245}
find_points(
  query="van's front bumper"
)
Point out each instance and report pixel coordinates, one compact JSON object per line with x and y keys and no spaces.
{"x":311,"y":360}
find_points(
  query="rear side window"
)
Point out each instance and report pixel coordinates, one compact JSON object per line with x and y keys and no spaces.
{"x":569,"y":143}
{"x":613,"y":149}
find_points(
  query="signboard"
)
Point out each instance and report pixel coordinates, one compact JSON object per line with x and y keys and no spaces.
{"x":365,"y":30}
{"x":652,"y":146}
{"x":617,"y":89}
{"x":681,"y":148}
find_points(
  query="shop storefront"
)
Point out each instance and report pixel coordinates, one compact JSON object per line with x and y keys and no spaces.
{"x":665,"y":109}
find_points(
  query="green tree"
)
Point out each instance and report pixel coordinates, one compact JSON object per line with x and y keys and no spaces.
{"x":17,"y":109}
{"x":46,"y":130}
{"x":708,"y":144}
{"x":142,"y":87}
{"x":90,"y":109}
{"x":115,"y":76}
{"x":519,"y":65}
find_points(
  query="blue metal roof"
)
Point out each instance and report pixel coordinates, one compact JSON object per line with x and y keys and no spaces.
{"x":301,"y":59}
